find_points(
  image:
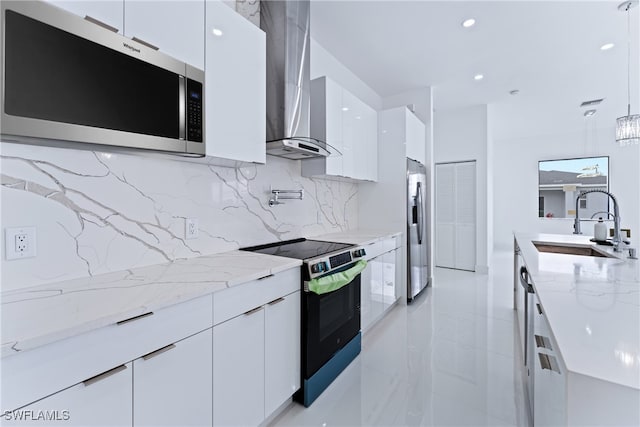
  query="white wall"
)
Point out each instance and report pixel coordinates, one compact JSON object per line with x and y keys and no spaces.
{"x":325,"y":64}
{"x":420,"y":98}
{"x":516,"y":180}
{"x":462,"y":135}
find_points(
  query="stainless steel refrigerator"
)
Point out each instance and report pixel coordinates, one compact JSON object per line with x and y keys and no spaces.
{"x":418,"y":268}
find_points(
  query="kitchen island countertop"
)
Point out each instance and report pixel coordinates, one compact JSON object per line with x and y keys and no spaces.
{"x":592,"y":305}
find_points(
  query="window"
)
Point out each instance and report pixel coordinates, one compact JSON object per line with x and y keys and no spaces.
{"x":561,"y":182}
{"x":540,"y":206}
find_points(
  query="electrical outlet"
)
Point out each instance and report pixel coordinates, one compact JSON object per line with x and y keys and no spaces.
{"x":191,"y":228}
{"x":20,"y":242}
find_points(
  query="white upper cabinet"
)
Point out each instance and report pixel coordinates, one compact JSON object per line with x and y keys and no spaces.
{"x":415,"y":134}
{"x":108,"y":12}
{"x":349,"y":126}
{"x":235,"y":85}
{"x":174,"y":27}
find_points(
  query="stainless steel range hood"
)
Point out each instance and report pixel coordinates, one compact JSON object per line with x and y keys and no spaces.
{"x":286,"y":24}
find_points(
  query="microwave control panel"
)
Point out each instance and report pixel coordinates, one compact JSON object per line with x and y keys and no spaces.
{"x":194,"y":111}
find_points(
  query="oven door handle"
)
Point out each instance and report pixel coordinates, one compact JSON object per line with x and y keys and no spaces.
{"x":333,"y":282}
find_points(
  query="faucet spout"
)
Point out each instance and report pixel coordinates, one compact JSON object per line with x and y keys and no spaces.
{"x":617,"y":239}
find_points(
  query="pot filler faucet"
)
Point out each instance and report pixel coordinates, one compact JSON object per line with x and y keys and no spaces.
{"x":617,"y":239}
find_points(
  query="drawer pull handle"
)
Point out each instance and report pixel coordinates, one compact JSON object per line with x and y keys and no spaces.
{"x":255,"y":310}
{"x":131,"y":319}
{"x":265,"y":277}
{"x":158,"y":352}
{"x":276,"y":301}
{"x":100,"y":23}
{"x":548,"y":362}
{"x":103,"y":375}
{"x":147,"y":44}
{"x":539,"y":308}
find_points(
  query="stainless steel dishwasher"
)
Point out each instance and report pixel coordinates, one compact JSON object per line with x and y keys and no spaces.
{"x":529,"y":346}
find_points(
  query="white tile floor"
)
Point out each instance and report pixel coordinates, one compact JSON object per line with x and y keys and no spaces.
{"x":447,"y":359}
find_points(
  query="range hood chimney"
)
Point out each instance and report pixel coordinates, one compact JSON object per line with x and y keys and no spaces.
{"x":286,"y":24}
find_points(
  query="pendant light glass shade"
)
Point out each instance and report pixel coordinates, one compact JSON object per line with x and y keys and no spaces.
{"x":628,"y":130}
{"x":628,"y":127}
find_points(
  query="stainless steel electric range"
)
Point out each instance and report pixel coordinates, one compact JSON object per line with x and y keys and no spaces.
{"x":331,"y":336}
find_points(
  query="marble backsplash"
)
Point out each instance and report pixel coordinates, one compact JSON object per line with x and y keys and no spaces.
{"x":101,"y":212}
{"x":250,"y":9}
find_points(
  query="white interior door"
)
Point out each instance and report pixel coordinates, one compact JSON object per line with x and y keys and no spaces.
{"x":445,"y":215}
{"x":456,"y":215}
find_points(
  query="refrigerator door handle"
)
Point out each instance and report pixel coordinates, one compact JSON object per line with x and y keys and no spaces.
{"x":418,"y":202}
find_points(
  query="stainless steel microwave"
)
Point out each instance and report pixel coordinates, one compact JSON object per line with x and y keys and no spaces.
{"x":65,"y":79}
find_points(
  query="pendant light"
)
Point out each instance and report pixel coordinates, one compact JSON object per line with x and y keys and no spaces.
{"x":628,"y":127}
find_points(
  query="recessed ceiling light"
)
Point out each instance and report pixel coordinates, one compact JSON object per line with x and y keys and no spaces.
{"x":478,"y":77}
{"x":468,"y":22}
{"x":607,"y":46}
{"x":589,"y":113}
{"x":345,"y":108}
{"x":216,"y":32}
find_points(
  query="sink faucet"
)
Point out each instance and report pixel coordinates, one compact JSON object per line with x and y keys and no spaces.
{"x":602,"y":212}
{"x":617,"y":239}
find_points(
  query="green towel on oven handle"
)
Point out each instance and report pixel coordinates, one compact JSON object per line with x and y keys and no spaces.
{"x":332,"y":282}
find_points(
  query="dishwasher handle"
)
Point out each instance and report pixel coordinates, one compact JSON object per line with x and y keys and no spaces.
{"x":524,"y":279}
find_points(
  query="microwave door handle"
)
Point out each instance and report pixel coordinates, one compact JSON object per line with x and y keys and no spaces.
{"x":182,"y":107}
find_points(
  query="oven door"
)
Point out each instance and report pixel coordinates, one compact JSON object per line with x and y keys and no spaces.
{"x":329,"y":322}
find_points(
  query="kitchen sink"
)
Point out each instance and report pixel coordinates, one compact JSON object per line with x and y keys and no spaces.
{"x":571,"y":250}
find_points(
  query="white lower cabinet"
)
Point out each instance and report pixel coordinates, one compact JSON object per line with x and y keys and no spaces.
{"x":389,"y":276}
{"x":550,"y":375}
{"x":173,"y":385}
{"x":282,"y":351}
{"x":238,"y":370}
{"x":104,"y":400}
{"x":379,"y":282}
{"x":256,"y":362}
{"x":228,"y":359}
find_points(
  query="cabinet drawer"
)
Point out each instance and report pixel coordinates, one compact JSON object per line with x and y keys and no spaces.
{"x":374,"y":249}
{"x":103,"y":401}
{"x":247,"y":296}
{"x":391,"y":243}
{"x":39,"y":372}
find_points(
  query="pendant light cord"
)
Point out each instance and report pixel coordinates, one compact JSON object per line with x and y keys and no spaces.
{"x":628,"y":59}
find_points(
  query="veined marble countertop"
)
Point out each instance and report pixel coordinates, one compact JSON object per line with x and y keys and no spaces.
{"x":358,"y":236}
{"x":592,"y":305}
{"x":43,"y":314}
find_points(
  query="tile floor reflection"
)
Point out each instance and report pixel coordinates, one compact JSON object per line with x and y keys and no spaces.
{"x":448,"y":359}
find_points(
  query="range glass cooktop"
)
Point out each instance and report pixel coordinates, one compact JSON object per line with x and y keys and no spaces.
{"x":299,"y":248}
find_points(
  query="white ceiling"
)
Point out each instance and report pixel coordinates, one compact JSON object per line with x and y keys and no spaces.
{"x":548,"y":50}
